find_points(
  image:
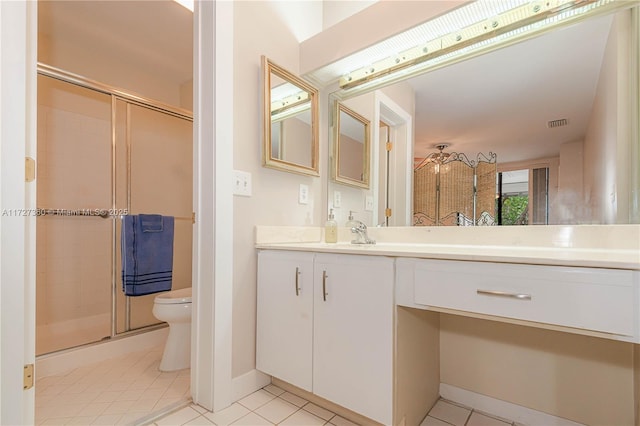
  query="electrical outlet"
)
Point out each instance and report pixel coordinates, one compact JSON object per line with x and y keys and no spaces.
{"x":368,"y":203}
{"x":241,"y":183}
{"x":303,"y":195}
{"x":337,"y":199}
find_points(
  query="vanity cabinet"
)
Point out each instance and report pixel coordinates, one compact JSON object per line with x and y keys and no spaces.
{"x":285,"y":316}
{"x":584,"y":300}
{"x":332,"y":332}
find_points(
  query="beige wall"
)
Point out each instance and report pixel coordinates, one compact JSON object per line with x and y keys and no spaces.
{"x":581,"y":378}
{"x":259,"y":30}
{"x":606,"y":142}
{"x":105,"y":68}
{"x":570,"y":206}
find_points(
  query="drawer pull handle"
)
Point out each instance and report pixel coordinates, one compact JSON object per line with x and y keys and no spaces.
{"x":520,"y":296}
{"x":324,"y":285}
{"x":297,"y":276}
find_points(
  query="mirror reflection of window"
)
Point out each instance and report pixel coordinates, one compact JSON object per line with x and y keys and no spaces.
{"x":523,"y":197}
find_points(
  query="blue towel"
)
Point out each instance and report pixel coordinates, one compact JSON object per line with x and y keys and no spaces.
{"x":147,"y":254}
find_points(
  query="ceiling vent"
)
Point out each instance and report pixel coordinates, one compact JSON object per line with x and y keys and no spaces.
{"x":557,"y":123}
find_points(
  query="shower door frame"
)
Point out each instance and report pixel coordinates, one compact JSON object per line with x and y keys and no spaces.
{"x":129,"y":98}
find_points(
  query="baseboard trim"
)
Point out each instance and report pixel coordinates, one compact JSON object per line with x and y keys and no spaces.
{"x":64,"y":361}
{"x":248,"y":383}
{"x":507,"y":410}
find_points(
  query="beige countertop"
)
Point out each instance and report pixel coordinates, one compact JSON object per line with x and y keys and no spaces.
{"x":612,"y":246}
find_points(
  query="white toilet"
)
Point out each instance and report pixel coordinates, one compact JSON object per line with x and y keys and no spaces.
{"x":174,"y":307}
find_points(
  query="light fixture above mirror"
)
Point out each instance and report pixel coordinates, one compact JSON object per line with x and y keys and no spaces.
{"x":290,"y":121}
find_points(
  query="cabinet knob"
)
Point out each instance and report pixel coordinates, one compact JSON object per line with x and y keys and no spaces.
{"x":297,"y":279}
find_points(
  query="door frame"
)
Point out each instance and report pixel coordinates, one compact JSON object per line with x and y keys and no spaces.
{"x":401,"y":190}
{"x":18,"y":56}
{"x":211,"y":328}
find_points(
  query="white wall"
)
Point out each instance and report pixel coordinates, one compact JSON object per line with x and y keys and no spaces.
{"x":607,"y":139}
{"x":260,"y":30}
{"x":570,"y":207}
{"x":335,"y":11}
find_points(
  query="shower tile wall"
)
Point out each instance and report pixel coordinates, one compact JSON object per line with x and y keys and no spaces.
{"x":74,"y":254}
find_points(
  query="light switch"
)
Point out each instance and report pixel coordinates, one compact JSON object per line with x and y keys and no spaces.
{"x":303,"y":194}
{"x":241,"y":183}
{"x":337,"y":199}
{"x":368,"y":203}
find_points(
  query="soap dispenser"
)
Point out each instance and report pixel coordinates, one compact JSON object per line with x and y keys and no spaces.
{"x":351,"y":222}
{"x":331,"y":229}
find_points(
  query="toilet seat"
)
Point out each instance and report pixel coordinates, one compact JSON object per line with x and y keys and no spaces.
{"x":174,"y":297}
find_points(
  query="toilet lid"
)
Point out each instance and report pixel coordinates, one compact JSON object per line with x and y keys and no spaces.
{"x":176,"y":296}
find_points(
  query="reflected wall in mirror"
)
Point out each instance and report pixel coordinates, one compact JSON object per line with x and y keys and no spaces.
{"x":290,"y":121}
{"x":558,"y":106}
{"x":351,"y":154}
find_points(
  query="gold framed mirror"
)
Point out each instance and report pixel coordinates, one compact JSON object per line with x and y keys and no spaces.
{"x":290,"y":121}
{"x":351,"y":155}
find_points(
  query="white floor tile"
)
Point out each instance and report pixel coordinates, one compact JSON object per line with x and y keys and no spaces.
{"x":94,"y":409}
{"x":341,"y":421}
{"x":199,"y":409}
{"x":199,"y":421}
{"x":57,"y":421}
{"x":276,"y":410}
{"x":432,"y":421}
{"x":110,"y":419}
{"x":450,"y":413}
{"x":119,"y":407}
{"x":252,"y":419}
{"x":82,"y":421}
{"x":294,"y":399}
{"x":129,"y":418}
{"x":274,"y":390}
{"x":303,"y":418}
{"x":228,"y":415}
{"x":318,"y":411}
{"x":256,"y":399}
{"x":179,"y":417}
{"x":478,"y":419}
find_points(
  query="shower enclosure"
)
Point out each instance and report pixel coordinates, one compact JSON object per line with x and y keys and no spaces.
{"x":102,"y":154}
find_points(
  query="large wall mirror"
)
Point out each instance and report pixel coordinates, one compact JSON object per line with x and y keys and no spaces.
{"x":351,"y":156}
{"x":559,"y":110}
{"x":290,"y":121}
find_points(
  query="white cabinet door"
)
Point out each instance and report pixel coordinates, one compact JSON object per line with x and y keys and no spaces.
{"x":353,"y":333}
{"x":285,"y":316}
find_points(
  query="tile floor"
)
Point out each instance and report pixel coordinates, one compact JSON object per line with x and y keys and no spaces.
{"x":273,"y":406}
{"x":116,"y":391}
{"x":447,"y":413}
{"x":129,"y":389}
{"x":268,"y":406}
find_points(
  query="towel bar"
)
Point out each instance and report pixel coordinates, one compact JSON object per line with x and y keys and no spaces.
{"x":103,"y":213}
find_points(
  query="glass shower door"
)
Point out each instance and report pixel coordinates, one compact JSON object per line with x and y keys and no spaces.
{"x":73,"y":250}
{"x":159,"y":180}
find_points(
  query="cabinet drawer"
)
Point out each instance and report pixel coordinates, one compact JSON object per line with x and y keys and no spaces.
{"x":586,"y":298}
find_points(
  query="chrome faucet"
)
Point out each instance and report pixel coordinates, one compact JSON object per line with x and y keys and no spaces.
{"x":360,"y":229}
